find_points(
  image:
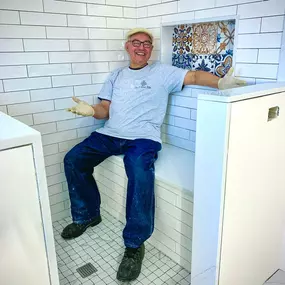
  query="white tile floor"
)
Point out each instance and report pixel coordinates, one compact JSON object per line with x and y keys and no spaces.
{"x":102,"y":246}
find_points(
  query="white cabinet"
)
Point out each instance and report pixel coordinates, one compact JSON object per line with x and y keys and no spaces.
{"x":26,"y":238}
{"x":239,"y":210}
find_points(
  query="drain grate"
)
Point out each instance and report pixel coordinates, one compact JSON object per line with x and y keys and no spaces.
{"x":86,"y":270}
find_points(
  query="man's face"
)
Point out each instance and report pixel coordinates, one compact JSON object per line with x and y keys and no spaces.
{"x":139,"y":53}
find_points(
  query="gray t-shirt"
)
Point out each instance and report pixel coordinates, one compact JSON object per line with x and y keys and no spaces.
{"x":139,"y":100}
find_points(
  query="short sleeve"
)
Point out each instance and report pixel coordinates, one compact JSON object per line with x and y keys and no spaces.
{"x":173,"y":77}
{"x":107,"y":89}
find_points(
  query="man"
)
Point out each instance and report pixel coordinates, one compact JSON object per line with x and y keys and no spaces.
{"x":134,"y":100}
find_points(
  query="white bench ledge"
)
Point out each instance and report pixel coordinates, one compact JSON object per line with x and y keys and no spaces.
{"x":174,"y":166}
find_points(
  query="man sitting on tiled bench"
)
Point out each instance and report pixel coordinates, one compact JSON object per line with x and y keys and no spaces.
{"x":134,"y":99}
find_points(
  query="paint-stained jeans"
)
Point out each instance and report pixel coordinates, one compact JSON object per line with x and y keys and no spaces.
{"x":139,"y":158}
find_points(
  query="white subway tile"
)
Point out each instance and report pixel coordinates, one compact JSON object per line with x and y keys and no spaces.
{"x":59,"y":137}
{"x":116,"y":44}
{"x":176,"y":131}
{"x":30,"y":108}
{"x":65,"y":7}
{"x":67,"y":145}
{"x":186,"y":5}
{"x":272,"y":24}
{"x":249,"y":26}
{"x":17,"y":31}
{"x":117,"y":64}
{"x":46,"y":128}
{"x":262,"y":81}
{"x":104,"y":11}
{"x":75,"y":123}
{"x":26,"y":83}
{"x":246,"y":55}
{"x":57,"y":208}
{"x":142,"y":12}
{"x":261,"y":9}
{"x":55,"y":179}
{"x":67,"y":33}
{"x":89,"y":1}
{"x":87,"y":89}
{"x":82,"y":45}
{"x":178,"y":17}
{"x":86,"y":21}
{"x":53,"y":169}
{"x":42,"y":19}
{"x":216,"y":12}
{"x":185,"y":102}
{"x":233,"y":2}
{"x":185,"y":123}
{"x":257,"y":70}
{"x":31,"y":5}
{"x":8,"y":45}
{"x":270,"y":40}
{"x":55,"y":199}
{"x":85,"y":132}
{"x":46,"y":45}
{"x":107,"y":55}
{"x":23,"y":58}
{"x":93,"y":67}
{"x":150,"y":22}
{"x":3,"y":109}
{"x":268,"y":55}
{"x":55,"y":189}
{"x":169,"y":120}
{"x":184,"y":252}
{"x":162,"y":9}
{"x":179,"y":111}
{"x":9,"y":17}
{"x":127,"y":3}
{"x":71,"y":80}
{"x":50,"y":149}
{"x":14,"y":97}
{"x":141,"y":3}
{"x":130,"y":13}
{"x":193,"y":114}
{"x":62,"y":57}
{"x":54,"y":158}
{"x":12,"y":72}
{"x":53,"y":116}
{"x":68,"y":102}
{"x":121,"y":23}
{"x":26,"y":119}
{"x":99,"y":77}
{"x":1,"y":86}
{"x":108,"y":34}
{"x":53,"y":93}
{"x":49,"y":69}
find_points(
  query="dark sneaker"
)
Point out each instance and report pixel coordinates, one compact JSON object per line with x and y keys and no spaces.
{"x":75,"y":230}
{"x":130,"y":267}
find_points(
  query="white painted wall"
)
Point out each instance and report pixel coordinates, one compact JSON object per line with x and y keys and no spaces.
{"x":51,"y":50}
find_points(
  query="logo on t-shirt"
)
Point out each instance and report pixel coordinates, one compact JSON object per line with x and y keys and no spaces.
{"x":142,"y":84}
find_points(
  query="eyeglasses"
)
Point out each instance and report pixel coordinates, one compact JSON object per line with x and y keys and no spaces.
{"x":137,"y":43}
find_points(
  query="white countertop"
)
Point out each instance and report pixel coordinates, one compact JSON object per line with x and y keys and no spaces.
{"x":14,"y":133}
{"x":242,"y":93}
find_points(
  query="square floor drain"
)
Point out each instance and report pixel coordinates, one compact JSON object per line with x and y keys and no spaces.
{"x":86,"y":270}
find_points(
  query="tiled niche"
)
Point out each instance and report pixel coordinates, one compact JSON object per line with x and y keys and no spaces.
{"x":207,"y":46}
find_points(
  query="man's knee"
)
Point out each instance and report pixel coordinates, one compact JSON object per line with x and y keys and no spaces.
{"x":70,"y":158}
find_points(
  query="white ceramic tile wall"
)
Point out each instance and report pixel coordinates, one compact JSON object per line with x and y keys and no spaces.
{"x":51,"y":50}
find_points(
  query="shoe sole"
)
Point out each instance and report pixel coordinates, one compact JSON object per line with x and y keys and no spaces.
{"x":93,"y":224}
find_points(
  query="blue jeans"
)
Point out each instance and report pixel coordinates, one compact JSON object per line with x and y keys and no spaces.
{"x":140,"y":155}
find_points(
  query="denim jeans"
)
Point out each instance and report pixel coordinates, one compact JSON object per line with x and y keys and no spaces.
{"x":139,"y":158}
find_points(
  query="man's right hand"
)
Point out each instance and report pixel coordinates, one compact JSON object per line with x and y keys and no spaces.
{"x":82,"y":108}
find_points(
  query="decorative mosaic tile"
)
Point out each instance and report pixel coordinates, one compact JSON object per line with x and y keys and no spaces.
{"x":205,"y":38}
{"x":223,"y":62}
{"x":225,"y":36}
{"x":204,"y":62}
{"x":181,"y":46}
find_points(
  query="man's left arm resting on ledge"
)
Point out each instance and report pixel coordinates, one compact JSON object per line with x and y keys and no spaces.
{"x":204,"y":78}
